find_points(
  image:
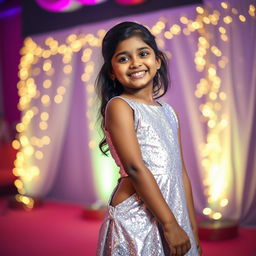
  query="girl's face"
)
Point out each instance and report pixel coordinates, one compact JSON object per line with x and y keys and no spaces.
{"x":134,"y":64}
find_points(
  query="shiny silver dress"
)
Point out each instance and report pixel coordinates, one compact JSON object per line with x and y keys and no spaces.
{"x":129,"y":229}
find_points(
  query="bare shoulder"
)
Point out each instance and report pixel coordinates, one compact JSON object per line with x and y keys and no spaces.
{"x":118,"y":110}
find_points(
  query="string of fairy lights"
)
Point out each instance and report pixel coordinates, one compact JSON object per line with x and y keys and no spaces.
{"x":37,"y":59}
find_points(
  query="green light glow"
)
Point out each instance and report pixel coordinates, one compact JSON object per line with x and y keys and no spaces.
{"x":105,"y":170}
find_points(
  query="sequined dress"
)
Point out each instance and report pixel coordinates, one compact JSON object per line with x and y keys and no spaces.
{"x":129,"y":229}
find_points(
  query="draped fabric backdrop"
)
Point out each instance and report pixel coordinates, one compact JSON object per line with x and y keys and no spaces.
{"x":68,"y":165}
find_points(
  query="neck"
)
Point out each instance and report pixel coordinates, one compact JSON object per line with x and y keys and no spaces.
{"x":141,"y":95}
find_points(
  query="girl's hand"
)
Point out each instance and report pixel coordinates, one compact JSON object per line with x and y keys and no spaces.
{"x":177,"y":239}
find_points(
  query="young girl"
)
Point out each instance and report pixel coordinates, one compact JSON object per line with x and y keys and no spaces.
{"x":151,"y":210}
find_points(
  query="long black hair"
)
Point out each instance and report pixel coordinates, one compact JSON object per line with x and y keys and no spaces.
{"x":104,"y":84}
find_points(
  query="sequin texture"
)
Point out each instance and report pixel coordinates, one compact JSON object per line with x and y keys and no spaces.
{"x":129,"y":229}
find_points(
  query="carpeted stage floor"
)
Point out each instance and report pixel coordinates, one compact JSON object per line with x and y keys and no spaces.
{"x":58,"y":229}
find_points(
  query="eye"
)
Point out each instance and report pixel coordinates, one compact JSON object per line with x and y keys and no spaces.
{"x":144,"y":53}
{"x":123,"y":59}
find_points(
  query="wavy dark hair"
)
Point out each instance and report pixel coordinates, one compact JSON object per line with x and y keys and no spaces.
{"x":104,"y":84}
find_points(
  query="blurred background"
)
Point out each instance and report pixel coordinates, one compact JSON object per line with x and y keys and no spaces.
{"x":53,"y":177}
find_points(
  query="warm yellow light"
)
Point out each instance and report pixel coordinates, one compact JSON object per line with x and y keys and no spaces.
{"x":200,"y":61}
{"x":67,"y":58}
{"x":206,"y":20}
{"x":39,"y":155}
{"x":168,"y":35}
{"x":101,"y":32}
{"x":85,"y":77}
{"x":175,"y":29}
{"x":211,"y":71}
{"x":227,"y":19}
{"x":222,"y":95}
{"x":25,"y":199}
{"x":62,"y":49}
{"x":234,"y":11}
{"x":155,"y":30}
{"x":24,"y":140}
{"x":43,"y":125}
{"x":23,"y":74}
{"x":18,"y":183}
{"x":44,"y":116}
{"x":224,"y":202}
{"x":16,"y":144}
{"x":89,"y":67}
{"x":45,"y":99}
{"x":47,"y":83}
{"x":251,"y":10}
{"x":28,"y":150}
{"x":224,"y":37}
{"x":58,"y":99}
{"x":67,"y":69}
{"x":242,"y":18}
{"x":224,"y":123}
{"x":184,"y":20}
{"x":34,"y":170}
{"x":61,"y":90}
{"x":198,"y":94}
{"x":46,"y":140}
{"x":47,"y":65}
{"x":86,"y":54}
{"x":224,"y":5}
{"x":196,"y":25}
{"x":46,"y":54}
{"x":76,"y":46}
{"x":216,"y":51}
{"x":203,"y":41}
{"x":160,"y":24}
{"x":90,"y":88}
{"x":207,"y":211}
{"x":186,"y":31}
{"x":211,"y":123}
{"x":213,"y":95}
{"x":71,"y":38}
{"x":48,"y":40}
{"x":35,"y":110}
{"x":199,"y":10}
{"x":217,"y":216}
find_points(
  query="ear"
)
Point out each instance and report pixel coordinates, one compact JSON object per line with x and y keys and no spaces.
{"x":158,"y":63}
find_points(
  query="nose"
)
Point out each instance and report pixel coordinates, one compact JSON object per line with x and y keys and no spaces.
{"x":135,"y":63}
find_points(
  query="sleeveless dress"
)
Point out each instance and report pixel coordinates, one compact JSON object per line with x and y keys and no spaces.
{"x":129,"y":229}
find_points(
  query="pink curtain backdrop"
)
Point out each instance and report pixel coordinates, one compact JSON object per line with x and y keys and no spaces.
{"x":67,"y":172}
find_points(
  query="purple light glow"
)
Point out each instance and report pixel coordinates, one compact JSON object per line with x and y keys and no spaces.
{"x":10,"y":12}
{"x":54,"y":5}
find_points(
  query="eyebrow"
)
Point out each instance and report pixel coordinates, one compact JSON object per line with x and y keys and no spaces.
{"x":126,"y":52}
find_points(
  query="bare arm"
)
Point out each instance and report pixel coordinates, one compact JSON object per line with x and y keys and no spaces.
{"x":120,"y":124}
{"x":189,"y":197}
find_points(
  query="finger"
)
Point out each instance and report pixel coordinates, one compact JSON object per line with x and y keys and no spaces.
{"x":173,"y":251}
{"x":184,"y":249}
{"x":179,"y":250}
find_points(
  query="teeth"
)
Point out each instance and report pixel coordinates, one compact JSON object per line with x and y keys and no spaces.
{"x":138,"y":74}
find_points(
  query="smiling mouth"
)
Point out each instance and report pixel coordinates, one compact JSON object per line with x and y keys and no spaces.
{"x":138,"y":74}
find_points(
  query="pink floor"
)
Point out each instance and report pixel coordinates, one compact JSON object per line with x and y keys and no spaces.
{"x":59,"y":229}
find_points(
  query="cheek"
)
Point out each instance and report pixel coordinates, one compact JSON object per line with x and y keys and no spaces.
{"x":118,"y":70}
{"x":152,"y":63}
